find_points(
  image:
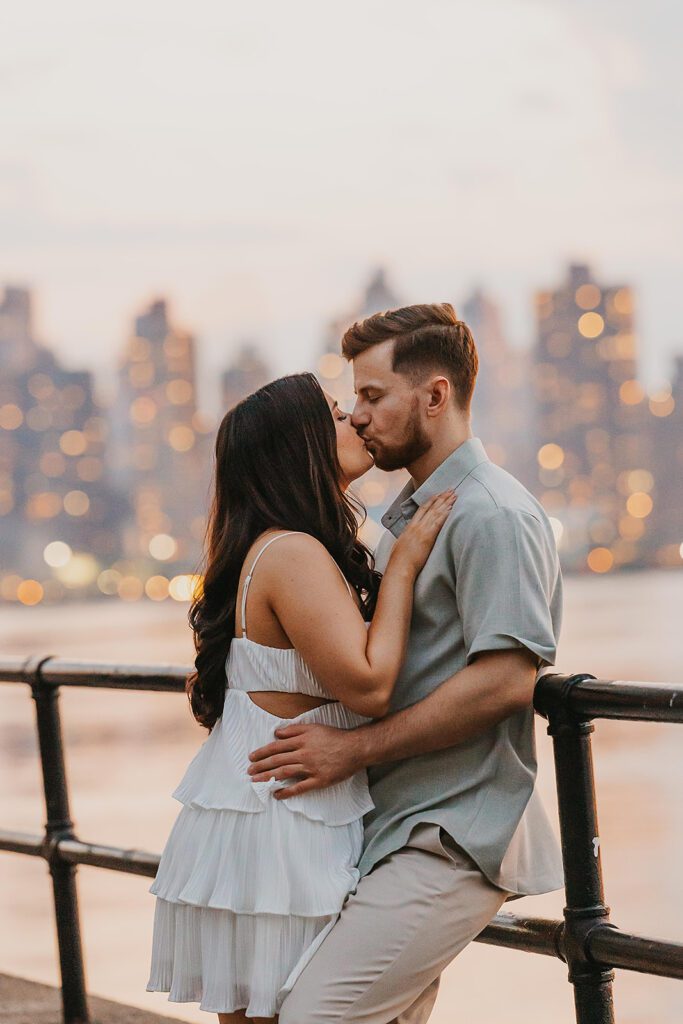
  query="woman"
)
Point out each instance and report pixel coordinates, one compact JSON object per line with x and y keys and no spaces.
{"x":247,"y":882}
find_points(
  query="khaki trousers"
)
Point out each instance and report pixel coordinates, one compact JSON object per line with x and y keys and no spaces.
{"x":409,"y":917}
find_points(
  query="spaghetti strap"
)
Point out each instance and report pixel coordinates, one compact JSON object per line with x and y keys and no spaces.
{"x":250,"y":574}
{"x":348,"y":585}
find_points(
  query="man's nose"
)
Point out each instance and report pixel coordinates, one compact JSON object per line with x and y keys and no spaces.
{"x":359,"y":417}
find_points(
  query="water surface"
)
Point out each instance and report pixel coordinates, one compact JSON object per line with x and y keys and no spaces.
{"x":126,"y":752}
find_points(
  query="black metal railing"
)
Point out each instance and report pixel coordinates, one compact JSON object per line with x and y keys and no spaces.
{"x":585,"y":940}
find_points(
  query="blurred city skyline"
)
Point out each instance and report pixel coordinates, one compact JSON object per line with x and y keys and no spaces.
{"x":112,"y":498}
{"x":251,"y":163}
{"x":211,"y":362}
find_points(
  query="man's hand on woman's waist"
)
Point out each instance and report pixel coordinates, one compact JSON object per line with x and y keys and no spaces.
{"x":318,"y":755}
{"x":497,"y":684}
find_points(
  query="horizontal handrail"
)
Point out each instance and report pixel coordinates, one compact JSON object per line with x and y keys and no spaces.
{"x":582,"y":695}
{"x":75,"y":851}
{"x":588,"y":698}
{"x":607,"y":945}
{"x":52,"y":671}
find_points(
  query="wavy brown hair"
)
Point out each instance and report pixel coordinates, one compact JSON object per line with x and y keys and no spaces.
{"x":276,"y":466}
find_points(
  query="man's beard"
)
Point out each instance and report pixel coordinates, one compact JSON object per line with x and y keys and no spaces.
{"x":414,"y":444}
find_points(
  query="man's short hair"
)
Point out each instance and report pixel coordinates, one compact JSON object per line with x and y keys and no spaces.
{"x":428,"y":337}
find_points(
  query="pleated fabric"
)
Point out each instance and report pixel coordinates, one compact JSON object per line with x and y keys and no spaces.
{"x":246,"y":883}
{"x":217,"y":775}
{"x":252,"y":666}
{"x":226,"y":961}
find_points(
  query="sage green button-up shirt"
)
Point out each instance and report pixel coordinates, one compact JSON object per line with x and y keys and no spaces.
{"x":492,"y":582}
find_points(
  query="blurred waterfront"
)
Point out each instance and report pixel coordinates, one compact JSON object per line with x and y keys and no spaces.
{"x":125,"y":753}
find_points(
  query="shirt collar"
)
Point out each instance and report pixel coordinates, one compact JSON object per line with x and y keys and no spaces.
{"x":450,"y":473}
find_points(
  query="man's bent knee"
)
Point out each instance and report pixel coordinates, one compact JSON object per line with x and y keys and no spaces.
{"x":300,"y":1008}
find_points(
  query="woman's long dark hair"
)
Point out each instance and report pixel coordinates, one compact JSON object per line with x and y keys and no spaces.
{"x":276,"y":466}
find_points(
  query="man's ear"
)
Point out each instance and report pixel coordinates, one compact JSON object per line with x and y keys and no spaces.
{"x":439,"y":395}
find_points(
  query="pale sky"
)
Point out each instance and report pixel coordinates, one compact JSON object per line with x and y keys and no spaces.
{"x":254,"y":161}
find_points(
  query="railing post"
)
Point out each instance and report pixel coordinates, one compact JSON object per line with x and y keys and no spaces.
{"x":585,"y":908}
{"x":59,"y":826}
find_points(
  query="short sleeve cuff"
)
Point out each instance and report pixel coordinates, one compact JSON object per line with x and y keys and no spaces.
{"x":544,"y":653}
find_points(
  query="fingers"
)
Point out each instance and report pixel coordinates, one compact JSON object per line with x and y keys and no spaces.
{"x":442,"y":510}
{"x":436,"y":505}
{"x":446,"y":498}
{"x":435,"y":512}
{"x":289,"y":771}
{"x":272,"y":749}
{"x":437,"y":517}
{"x":291,"y":730}
{"x":268,"y":763}
{"x":297,"y":789}
{"x":442,"y":504}
{"x":438,"y":499}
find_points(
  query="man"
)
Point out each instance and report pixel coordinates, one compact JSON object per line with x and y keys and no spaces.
{"x":457,"y":827}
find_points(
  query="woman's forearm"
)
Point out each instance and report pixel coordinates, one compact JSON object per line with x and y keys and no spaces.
{"x":388,"y":632}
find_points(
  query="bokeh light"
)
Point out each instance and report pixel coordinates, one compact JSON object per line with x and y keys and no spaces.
{"x":130,"y":588}
{"x":156,"y":588}
{"x":11,"y":416}
{"x":162,"y":547}
{"x":143,"y":410}
{"x":639,"y":505}
{"x":550,"y":456}
{"x":80,"y":570}
{"x":179,"y":391}
{"x":181,"y":438}
{"x":108,"y":581}
{"x":631,"y":392}
{"x":57,"y":553}
{"x":76,"y":503}
{"x":331,"y":366}
{"x":73,"y":442}
{"x":600,"y":560}
{"x":185,"y":587}
{"x":588,"y":296}
{"x":30,"y":592}
{"x":591,"y":325}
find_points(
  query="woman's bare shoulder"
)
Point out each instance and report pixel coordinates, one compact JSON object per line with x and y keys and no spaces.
{"x":301,"y":547}
{"x":297,"y":560}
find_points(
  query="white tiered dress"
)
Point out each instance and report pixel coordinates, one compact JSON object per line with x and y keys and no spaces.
{"x":247,"y":884}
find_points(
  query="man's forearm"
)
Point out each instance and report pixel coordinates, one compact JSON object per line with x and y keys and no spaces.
{"x":465,"y":705}
{"x":495,"y":686}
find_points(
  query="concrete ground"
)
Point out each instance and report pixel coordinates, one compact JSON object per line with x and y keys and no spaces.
{"x":29,"y":1002}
